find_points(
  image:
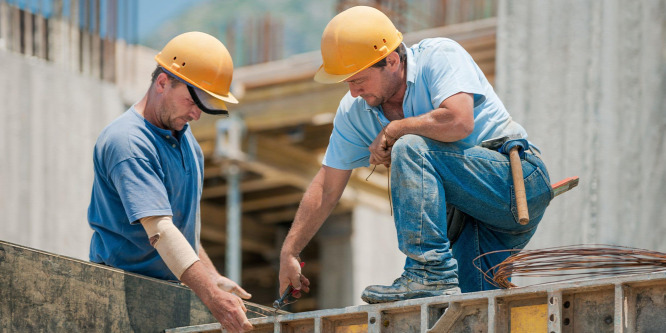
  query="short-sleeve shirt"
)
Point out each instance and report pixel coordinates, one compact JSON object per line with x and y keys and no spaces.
{"x":437,"y":68}
{"x":142,"y":170}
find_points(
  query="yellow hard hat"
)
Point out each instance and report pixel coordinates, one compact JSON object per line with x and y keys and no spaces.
{"x":354,"y":40}
{"x":202,"y":61}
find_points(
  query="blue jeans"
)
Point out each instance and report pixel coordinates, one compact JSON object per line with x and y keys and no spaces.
{"x":426,"y":174}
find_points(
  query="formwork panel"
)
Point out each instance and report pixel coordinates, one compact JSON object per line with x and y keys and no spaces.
{"x":650,"y":310}
{"x":298,"y":326}
{"x":474,"y":320}
{"x":623,"y":304}
{"x":347,"y":323}
{"x":407,"y":319}
{"x":592,"y":311}
{"x":513,"y":311}
{"x":266,"y":328}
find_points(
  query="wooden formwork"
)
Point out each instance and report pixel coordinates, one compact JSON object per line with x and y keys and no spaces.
{"x":45,"y":292}
{"x":632,"y":303}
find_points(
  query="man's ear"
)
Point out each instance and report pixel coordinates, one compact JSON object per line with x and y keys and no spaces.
{"x":160,"y":82}
{"x":393,"y":60}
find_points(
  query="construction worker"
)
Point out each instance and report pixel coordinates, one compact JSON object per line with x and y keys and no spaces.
{"x":423,"y":111}
{"x":144,"y":209}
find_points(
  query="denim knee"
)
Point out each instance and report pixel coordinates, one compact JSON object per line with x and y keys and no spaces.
{"x":416,"y":145}
{"x":408,"y":144}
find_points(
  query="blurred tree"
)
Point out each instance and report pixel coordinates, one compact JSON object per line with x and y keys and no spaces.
{"x":253,"y":30}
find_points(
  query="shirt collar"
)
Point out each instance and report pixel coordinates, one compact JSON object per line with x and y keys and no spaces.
{"x":411,"y":65}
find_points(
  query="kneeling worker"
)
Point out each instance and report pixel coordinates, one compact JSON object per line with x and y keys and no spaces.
{"x":424,"y":111}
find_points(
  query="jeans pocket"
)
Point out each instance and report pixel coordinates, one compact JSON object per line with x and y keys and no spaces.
{"x":538,"y":193}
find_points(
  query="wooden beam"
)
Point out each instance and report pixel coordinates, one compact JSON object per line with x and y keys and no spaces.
{"x":215,"y":216}
{"x":247,"y":244}
{"x":246,"y":186}
{"x":285,"y":214}
{"x":272,"y":202}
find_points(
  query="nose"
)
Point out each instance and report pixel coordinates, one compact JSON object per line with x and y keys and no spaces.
{"x":195,"y":113}
{"x":355,"y":90}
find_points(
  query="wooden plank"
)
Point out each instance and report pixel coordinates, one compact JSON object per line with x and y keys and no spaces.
{"x":273,"y":202}
{"x":245,"y":186}
{"x":247,"y":244}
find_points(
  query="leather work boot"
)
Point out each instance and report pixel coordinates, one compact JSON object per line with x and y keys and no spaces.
{"x":405,"y":288}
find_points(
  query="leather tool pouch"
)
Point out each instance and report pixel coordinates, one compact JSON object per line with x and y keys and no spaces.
{"x":455,"y":222}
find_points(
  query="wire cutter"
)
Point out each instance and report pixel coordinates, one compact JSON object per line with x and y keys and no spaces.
{"x":287,"y":296}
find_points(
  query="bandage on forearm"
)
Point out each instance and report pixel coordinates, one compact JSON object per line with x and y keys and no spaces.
{"x":170,"y":243}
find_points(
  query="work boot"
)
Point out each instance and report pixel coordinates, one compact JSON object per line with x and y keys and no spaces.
{"x":405,"y":288}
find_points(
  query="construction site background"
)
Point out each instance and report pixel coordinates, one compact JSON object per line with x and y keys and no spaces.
{"x":587,"y":79}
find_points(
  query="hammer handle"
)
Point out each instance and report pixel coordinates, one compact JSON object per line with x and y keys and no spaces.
{"x":519,"y":186}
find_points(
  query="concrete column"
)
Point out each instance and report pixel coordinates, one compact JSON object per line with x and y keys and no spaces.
{"x":587,"y":79}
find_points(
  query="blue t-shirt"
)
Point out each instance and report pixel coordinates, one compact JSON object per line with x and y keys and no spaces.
{"x":142,"y":170}
{"x":437,"y":68}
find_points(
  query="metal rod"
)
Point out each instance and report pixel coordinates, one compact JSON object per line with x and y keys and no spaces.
{"x":233,"y":255}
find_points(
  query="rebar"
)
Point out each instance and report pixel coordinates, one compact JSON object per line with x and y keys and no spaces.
{"x":573,"y":262}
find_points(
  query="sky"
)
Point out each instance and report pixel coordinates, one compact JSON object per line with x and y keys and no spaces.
{"x":151,"y":13}
{"x":151,"y":18}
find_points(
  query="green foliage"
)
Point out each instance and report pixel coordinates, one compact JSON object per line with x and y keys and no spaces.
{"x":302,"y":23}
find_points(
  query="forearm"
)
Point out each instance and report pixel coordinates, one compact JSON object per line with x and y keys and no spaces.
{"x":453,"y":120}
{"x":208,"y":264}
{"x":197,"y":277}
{"x":439,"y":124}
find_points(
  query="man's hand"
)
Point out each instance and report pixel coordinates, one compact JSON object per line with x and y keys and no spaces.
{"x":227,"y":308}
{"x":380,"y":149}
{"x":290,"y":273}
{"x":230,"y":311}
{"x":230,"y":286}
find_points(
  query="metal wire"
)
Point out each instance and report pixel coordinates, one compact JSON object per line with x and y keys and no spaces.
{"x":574,"y":262}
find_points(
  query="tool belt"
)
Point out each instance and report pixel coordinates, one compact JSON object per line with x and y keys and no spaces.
{"x":455,"y":218}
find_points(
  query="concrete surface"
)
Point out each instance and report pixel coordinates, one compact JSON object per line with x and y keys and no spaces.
{"x":587,"y":79}
{"x":50,"y":120}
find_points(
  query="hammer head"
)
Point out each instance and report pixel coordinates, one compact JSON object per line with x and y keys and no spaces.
{"x":497,"y":143}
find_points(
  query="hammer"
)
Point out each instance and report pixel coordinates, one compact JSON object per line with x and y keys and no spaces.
{"x":513,"y":143}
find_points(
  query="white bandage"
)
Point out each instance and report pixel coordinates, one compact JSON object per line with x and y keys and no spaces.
{"x":170,"y":243}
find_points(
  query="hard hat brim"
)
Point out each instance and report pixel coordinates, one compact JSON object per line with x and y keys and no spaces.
{"x":322,"y":76}
{"x":229,"y":98}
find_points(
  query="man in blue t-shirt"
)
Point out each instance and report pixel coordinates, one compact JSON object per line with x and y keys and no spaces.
{"x":144,"y":209}
{"x":423,"y":111}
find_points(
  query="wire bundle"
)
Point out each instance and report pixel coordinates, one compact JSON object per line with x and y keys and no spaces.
{"x":572,"y":263}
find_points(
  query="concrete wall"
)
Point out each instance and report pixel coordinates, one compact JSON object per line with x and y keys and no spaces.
{"x":357,"y":250}
{"x":50,"y":120}
{"x":587,"y":79}
{"x":374,"y":242}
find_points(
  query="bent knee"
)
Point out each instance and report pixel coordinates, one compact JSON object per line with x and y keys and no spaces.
{"x":409,"y":143}
{"x":416,"y":143}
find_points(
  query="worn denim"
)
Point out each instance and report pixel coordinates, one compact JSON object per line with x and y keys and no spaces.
{"x":426,"y":174}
